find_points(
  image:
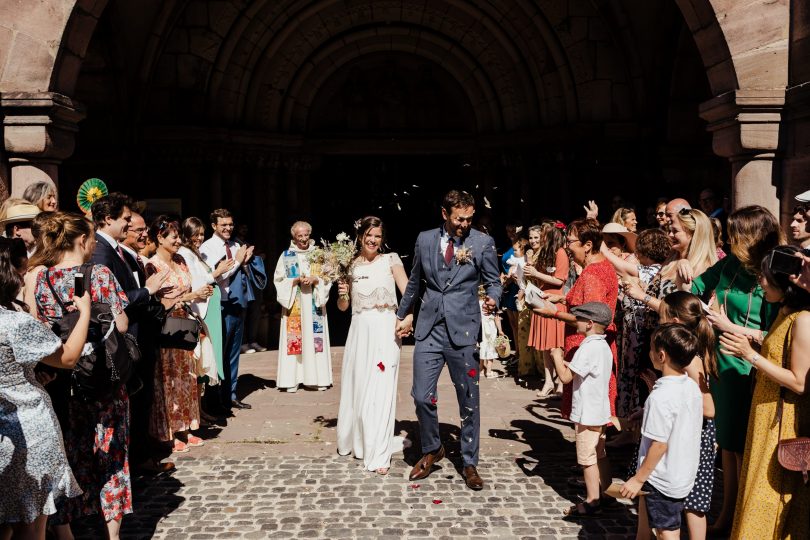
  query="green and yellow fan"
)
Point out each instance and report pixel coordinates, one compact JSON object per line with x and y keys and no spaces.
{"x":89,"y":192}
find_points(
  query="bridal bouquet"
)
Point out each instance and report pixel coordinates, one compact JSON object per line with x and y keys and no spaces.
{"x":334,"y":259}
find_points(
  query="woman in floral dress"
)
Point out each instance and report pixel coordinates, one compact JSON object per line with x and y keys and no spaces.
{"x":176,"y":409}
{"x":97,"y":431}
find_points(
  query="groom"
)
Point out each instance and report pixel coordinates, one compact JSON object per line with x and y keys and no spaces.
{"x":452,"y":260}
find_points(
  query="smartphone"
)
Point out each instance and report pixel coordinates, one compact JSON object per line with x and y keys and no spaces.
{"x":78,"y":285}
{"x":780,"y":262}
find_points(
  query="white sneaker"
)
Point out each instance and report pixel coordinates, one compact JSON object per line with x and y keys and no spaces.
{"x":256,"y":347}
{"x":247,"y":349}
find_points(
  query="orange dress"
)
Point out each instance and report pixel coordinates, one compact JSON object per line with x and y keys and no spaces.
{"x":176,"y":405}
{"x":547,"y":333}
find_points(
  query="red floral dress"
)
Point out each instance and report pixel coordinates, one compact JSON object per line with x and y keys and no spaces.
{"x":597,"y":283}
{"x":176,"y":406}
{"x":96,"y":433}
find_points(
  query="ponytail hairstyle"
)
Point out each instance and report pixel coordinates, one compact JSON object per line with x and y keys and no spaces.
{"x":10,"y":280}
{"x":689,"y":311}
{"x":553,"y":241}
{"x":362,"y":226}
{"x":57,"y":233}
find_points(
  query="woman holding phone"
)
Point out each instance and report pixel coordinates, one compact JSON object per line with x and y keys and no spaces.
{"x":96,"y":431}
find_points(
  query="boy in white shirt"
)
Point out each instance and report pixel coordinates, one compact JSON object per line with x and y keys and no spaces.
{"x":670,"y":445}
{"x":590,"y":370}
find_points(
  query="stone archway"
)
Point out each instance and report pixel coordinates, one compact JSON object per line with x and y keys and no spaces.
{"x":525,"y":63}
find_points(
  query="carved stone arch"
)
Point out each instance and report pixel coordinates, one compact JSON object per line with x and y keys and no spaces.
{"x":479,"y":88}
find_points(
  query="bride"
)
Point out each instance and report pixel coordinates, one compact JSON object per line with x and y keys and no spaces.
{"x":368,"y":395}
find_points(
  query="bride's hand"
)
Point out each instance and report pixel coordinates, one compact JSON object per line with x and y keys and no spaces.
{"x":343,"y":288}
{"x":404,"y":327}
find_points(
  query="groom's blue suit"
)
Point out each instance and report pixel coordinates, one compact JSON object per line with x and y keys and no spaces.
{"x":448,"y":329}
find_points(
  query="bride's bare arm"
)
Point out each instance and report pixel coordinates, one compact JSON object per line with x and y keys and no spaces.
{"x":400,"y":277}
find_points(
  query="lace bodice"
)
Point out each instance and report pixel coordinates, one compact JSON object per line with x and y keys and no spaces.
{"x":373,"y":286}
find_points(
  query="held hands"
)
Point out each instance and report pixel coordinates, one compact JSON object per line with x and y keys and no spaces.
{"x":154,"y":282}
{"x":224,"y":266}
{"x":631,"y":488}
{"x":404,"y":328}
{"x":202,"y":293}
{"x":737,"y":345}
{"x":490,"y":306}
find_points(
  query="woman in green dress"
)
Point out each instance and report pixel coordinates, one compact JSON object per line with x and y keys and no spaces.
{"x":208,"y":310}
{"x":731,"y":288}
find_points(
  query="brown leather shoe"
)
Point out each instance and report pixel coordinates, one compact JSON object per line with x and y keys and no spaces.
{"x":425,"y":465}
{"x":472,"y":479}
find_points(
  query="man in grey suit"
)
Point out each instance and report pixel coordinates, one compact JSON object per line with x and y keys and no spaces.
{"x":452,"y":261}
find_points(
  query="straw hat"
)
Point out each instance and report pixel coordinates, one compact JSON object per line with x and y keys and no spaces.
{"x":20,"y":212}
{"x":615,"y":228}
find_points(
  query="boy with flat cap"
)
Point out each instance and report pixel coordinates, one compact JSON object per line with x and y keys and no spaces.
{"x":590,"y":407}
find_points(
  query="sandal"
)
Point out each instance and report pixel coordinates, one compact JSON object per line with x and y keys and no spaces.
{"x":179,"y":447}
{"x":382,"y":471}
{"x":583,"y":510}
{"x":194,"y":441}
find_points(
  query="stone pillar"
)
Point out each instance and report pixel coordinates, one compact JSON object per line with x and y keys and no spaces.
{"x":38,"y":133}
{"x":745,"y":125}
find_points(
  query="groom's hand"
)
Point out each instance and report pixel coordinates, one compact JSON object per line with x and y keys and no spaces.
{"x":490,"y":306}
{"x":404,"y":327}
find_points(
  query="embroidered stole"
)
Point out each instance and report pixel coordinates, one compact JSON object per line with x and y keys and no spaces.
{"x":294,"y":328}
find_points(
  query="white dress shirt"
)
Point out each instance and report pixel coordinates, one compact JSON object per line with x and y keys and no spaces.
{"x":445,"y":239}
{"x":213,"y":251}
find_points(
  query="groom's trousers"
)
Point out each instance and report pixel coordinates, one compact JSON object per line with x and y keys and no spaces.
{"x":429,"y":358}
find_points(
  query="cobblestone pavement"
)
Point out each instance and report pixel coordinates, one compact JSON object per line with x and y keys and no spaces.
{"x":273,"y":472}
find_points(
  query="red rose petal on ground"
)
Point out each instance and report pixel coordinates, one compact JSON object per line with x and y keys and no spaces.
{"x":415,"y":486}
{"x":381,"y":366}
{"x":473,"y":372}
{"x":437,"y":501}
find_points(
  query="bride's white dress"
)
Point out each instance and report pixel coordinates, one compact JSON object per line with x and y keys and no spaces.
{"x":368,"y":394}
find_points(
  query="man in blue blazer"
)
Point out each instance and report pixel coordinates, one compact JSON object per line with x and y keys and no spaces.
{"x":451,"y":261}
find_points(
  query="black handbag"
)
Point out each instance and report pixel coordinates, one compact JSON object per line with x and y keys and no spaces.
{"x":108,"y":358}
{"x":180,"y":332}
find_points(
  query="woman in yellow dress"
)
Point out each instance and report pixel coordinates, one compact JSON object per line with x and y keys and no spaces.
{"x":773,"y":502}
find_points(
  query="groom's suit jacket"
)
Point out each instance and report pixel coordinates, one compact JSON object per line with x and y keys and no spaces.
{"x":451,"y":293}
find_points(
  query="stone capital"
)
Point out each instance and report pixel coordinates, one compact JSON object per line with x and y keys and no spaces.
{"x":745,"y":123}
{"x":39,"y":125}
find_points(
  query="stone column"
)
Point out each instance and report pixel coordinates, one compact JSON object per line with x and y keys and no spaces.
{"x":38,"y":132}
{"x":745,"y":125}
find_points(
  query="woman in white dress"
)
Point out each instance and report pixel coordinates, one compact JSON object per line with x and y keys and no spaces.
{"x":368,"y":395}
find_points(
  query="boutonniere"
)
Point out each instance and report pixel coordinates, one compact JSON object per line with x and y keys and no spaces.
{"x":464,"y":255}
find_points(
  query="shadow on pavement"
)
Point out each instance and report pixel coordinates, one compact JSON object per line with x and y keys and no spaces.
{"x":249,"y":383}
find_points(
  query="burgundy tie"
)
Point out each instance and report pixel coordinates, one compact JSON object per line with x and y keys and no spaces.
{"x":228,"y":253}
{"x":120,"y":253}
{"x":449,"y":252}
{"x":140,"y":264}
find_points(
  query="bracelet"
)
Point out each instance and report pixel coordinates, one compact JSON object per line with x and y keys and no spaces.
{"x":755,"y":359}
{"x":647,"y":299}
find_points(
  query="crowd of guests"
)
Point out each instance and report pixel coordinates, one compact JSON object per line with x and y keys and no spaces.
{"x":685,"y":337}
{"x":681,"y":337}
{"x":62,"y":269}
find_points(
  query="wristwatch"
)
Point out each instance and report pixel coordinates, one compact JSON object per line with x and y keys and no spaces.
{"x":647,"y":299}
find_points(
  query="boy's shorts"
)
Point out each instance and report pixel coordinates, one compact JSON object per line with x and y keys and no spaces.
{"x":663,"y":513}
{"x":590,"y":444}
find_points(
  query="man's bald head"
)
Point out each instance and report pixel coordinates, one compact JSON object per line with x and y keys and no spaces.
{"x":674,"y":206}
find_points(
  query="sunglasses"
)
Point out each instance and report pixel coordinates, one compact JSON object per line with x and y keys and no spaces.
{"x":660,"y":213}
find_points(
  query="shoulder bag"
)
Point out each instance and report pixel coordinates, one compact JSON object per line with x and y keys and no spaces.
{"x":180,"y":332}
{"x":793,"y":454}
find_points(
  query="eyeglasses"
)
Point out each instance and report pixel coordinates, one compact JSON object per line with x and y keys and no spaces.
{"x":685,"y":212}
{"x":569,"y":241}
